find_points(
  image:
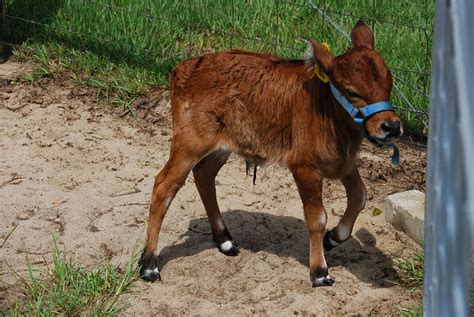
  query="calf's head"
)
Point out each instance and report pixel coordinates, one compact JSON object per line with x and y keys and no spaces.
{"x":362,"y":76}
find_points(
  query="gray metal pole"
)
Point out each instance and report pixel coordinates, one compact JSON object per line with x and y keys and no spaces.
{"x":449,"y":218}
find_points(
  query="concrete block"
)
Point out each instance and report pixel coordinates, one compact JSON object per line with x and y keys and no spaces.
{"x":406,"y":211}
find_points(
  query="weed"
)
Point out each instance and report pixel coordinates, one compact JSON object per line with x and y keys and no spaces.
{"x":411,"y":273}
{"x":118,"y":84}
{"x":411,"y":312}
{"x":8,"y":236}
{"x":69,"y":289}
{"x":411,"y":270}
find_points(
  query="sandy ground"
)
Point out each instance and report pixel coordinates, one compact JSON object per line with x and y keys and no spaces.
{"x":75,"y":168}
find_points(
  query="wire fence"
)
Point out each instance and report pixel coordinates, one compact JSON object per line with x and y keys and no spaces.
{"x":158,"y":33}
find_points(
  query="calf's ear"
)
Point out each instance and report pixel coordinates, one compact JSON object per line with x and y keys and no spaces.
{"x":317,"y":54}
{"x":362,"y":35}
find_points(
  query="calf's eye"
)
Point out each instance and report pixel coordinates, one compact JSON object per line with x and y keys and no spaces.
{"x":353,"y":94}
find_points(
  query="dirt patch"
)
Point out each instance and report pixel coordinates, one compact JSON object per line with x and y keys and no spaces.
{"x":75,"y":168}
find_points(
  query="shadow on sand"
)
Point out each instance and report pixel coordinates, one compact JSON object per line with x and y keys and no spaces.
{"x":287,"y":237}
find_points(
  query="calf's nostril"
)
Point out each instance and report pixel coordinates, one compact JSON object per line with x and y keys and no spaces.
{"x":396,"y":129}
{"x":386,"y":127}
{"x":396,"y":126}
{"x":391,"y":128}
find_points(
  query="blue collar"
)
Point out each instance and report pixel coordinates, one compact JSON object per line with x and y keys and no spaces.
{"x":361,"y":114}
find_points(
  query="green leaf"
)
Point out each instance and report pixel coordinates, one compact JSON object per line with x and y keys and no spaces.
{"x":376,"y":211}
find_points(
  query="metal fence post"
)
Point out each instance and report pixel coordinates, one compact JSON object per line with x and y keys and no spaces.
{"x":449,"y":219}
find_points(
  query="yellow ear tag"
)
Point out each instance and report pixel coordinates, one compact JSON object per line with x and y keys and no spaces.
{"x":318,"y":71}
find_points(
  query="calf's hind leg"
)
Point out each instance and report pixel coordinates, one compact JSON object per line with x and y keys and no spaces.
{"x":356,"y":193}
{"x":204,"y":176}
{"x":167,"y":184}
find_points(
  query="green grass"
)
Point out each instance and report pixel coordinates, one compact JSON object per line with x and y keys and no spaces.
{"x":118,"y":83}
{"x":150,"y":36}
{"x":411,"y":273}
{"x":411,"y":270}
{"x":69,"y":289}
{"x":411,"y":312}
{"x":9,"y":234}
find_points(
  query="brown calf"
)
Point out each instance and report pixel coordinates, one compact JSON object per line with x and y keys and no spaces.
{"x":268,"y":109}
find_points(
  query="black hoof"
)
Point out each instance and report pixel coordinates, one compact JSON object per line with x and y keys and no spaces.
{"x":321,"y":278}
{"x":149,"y":268}
{"x":229,"y":248}
{"x":328,"y":243}
{"x":150,"y":275}
{"x":323,"y":281}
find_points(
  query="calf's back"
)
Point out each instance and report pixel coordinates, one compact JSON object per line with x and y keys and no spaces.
{"x":263,"y":108}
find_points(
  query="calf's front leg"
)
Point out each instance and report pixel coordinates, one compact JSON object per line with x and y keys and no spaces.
{"x":356,"y":194}
{"x":309,"y":185}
